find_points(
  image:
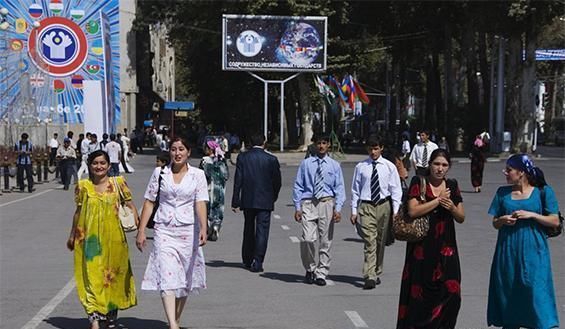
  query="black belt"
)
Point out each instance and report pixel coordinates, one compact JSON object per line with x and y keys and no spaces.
{"x":322,"y":199}
{"x":381,"y":201}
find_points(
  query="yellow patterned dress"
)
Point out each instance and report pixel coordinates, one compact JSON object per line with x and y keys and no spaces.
{"x":102,"y":268}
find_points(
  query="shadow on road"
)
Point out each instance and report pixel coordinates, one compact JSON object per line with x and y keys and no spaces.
{"x":70,"y":323}
{"x":221,"y":263}
{"x":353,"y":240}
{"x":295,"y":278}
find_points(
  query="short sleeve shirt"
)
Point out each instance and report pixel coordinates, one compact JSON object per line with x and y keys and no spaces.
{"x":176,"y":201}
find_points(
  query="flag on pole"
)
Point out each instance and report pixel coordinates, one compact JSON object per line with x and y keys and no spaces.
{"x":361,"y":93}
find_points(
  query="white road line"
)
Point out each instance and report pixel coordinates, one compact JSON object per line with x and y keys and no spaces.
{"x":26,"y":198}
{"x":294,"y":239}
{"x":356,"y":319}
{"x":284,"y":227}
{"x":47,"y":309}
{"x":276,"y":216}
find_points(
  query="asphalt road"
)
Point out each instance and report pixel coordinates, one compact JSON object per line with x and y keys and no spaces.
{"x":37,"y":286}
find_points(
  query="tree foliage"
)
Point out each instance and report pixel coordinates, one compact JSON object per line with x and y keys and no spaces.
{"x":438,"y":51}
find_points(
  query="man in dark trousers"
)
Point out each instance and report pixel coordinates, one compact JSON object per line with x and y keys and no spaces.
{"x":24,"y":150}
{"x":255,"y":190}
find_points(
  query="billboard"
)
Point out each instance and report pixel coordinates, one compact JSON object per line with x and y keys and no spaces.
{"x":49,"y":50}
{"x":274,"y":43}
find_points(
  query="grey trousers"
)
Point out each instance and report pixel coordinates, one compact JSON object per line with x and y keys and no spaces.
{"x":317,"y":224}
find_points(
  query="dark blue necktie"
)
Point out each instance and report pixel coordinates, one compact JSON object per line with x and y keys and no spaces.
{"x":375,"y":187}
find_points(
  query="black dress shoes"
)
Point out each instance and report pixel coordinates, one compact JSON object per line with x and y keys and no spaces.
{"x":320,"y":282}
{"x":369,"y":284}
{"x":256,"y":267}
{"x":309,"y":278}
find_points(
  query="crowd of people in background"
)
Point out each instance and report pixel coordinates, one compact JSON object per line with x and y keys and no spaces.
{"x":185,"y":206}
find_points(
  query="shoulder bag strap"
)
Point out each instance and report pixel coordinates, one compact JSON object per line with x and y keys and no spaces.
{"x":423,"y":188}
{"x":159,"y":185}
{"x":119,"y":189}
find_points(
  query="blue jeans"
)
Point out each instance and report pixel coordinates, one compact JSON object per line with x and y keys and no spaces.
{"x":114,"y":169}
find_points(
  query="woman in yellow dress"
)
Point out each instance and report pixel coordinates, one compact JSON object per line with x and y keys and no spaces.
{"x":102,"y":268}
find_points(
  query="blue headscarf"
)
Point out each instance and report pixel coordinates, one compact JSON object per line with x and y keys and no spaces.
{"x":523,"y":163}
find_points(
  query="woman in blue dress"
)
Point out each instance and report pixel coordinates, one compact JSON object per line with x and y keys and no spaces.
{"x":521,"y":292}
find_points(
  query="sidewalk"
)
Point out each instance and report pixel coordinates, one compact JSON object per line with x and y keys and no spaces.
{"x":294,"y":158}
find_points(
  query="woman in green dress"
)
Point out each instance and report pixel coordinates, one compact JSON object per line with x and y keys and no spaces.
{"x":102,"y":268}
{"x":216,"y":170}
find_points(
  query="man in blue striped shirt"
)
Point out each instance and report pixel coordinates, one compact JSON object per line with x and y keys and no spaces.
{"x":23,"y":148}
{"x":318,"y":196}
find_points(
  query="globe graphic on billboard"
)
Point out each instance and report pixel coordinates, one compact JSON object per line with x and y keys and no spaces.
{"x":300,"y":44}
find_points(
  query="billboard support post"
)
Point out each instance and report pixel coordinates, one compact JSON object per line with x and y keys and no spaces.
{"x":266,"y":106}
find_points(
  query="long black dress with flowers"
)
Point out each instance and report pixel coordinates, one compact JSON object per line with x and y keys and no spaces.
{"x":430,"y":294}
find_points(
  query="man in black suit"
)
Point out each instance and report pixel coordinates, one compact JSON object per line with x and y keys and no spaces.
{"x":255,"y":190}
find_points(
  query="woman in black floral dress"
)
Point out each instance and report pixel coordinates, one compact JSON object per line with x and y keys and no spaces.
{"x":430,"y":294}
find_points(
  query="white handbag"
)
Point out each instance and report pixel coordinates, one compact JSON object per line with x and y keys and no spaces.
{"x":127,"y":218}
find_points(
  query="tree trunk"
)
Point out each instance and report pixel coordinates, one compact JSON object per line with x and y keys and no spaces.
{"x":448,"y":83}
{"x":468,"y":48}
{"x":513,"y":86}
{"x":306,"y":107}
{"x":527,"y":91}
{"x":485,"y":77}
{"x":438,"y":113}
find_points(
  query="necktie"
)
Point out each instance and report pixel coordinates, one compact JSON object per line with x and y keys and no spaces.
{"x":319,"y":181}
{"x":375,"y":187}
{"x":425,"y":156}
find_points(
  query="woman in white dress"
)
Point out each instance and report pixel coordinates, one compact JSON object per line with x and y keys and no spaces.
{"x":176,"y":264}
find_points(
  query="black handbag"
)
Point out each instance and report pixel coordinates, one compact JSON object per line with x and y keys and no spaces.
{"x":151,"y":222}
{"x":551,"y":232}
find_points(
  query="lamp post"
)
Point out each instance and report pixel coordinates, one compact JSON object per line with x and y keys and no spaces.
{"x":4,"y":25}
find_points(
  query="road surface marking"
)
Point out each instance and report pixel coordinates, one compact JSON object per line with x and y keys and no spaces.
{"x":356,"y":319}
{"x":26,"y":198}
{"x":294,"y":239}
{"x":284,"y":227}
{"x":47,"y":309}
{"x":276,"y":216}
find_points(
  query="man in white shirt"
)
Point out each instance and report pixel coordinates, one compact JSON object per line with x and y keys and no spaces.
{"x":54,"y":145}
{"x":84,"y":155}
{"x":420,"y":156}
{"x":94,"y":145}
{"x":114,"y":152}
{"x":66,"y":155}
{"x":375,"y":185}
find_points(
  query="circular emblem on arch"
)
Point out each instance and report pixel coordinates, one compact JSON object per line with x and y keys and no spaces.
{"x":58,"y":46}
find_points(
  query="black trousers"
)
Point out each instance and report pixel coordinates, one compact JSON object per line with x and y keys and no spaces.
{"x":255,"y":235}
{"x":52,"y":156}
{"x":20,"y":176}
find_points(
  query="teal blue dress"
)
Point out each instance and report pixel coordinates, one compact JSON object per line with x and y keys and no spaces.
{"x":521,"y":290}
